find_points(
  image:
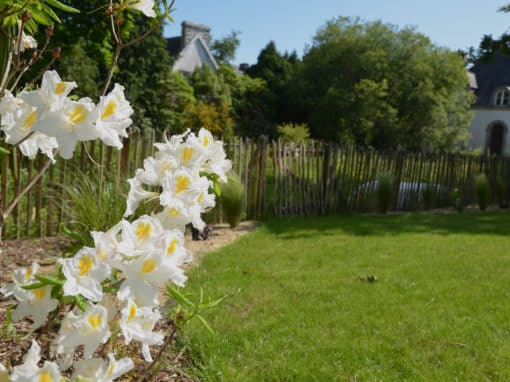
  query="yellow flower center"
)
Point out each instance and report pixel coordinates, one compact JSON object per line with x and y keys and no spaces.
{"x":171,"y":247}
{"x":45,"y":376}
{"x":132,"y":312}
{"x":28,"y":274}
{"x":94,"y":320}
{"x":101,"y":254}
{"x":110,"y":370}
{"x":206,"y":141}
{"x":149,"y":265}
{"x":78,"y":114}
{"x":164,"y":166}
{"x":109,"y":109}
{"x":39,"y":293}
{"x":186,"y":154}
{"x":60,"y":87}
{"x":173,"y":212}
{"x":200,"y":198}
{"x":30,"y":121}
{"x":143,"y":231}
{"x":182,"y":184}
{"x":85,"y":264}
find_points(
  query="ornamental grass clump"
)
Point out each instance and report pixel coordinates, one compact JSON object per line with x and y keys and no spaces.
{"x":385,"y":192}
{"x":483,"y":191}
{"x":232,"y":201}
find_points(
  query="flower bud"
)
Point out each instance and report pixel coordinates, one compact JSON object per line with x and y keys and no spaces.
{"x":57,"y":52}
{"x":50,"y":30}
{"x":26,"y":16}
{"x":109,"y":10}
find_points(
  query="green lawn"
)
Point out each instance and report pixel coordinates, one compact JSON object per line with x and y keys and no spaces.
{"x":440,"y":310}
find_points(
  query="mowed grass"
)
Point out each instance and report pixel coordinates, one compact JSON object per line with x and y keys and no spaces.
{"x":440,"y":310}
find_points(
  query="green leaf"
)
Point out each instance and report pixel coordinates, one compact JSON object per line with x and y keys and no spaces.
{"x":4,"y":151}
{"x":212,"y":304}
{"x":49,"y":280}
{"x":34,"y":286}
{"x":52,"y":14}
{"x":67,"y":299}
{"x":63,"y":7}
{"x":110,"y":289}
{"x":179,"y":297}
{"x":204,"y":322}
{"x":55,"y":292}
{"x":81,"y":302}
{"x":40,"y":17}
{"x":72,"y":234}
{"x":217,"y":189}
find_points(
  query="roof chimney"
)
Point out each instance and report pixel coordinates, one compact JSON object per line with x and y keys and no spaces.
{"x":190,"y":30}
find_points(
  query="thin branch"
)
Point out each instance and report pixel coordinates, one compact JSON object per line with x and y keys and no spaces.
{"x":3,"y":85}
{"x":147,"y":33}
{"x":23,"y":139}
{"x":35,"y":56}
{"x":18,"y":42}
{"x":116,"y":55}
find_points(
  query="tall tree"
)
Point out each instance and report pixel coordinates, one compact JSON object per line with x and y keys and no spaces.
{"x":375,"y":85}
{"x":278,"y":71}
{"x":224,"y":50}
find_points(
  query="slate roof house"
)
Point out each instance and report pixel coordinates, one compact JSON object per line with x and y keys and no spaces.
{"x":491,"y":83}
{"x":191,"y":48}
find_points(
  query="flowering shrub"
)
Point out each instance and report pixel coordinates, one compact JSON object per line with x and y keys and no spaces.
{"x":108,"y":293}
{"x":112,"y":289}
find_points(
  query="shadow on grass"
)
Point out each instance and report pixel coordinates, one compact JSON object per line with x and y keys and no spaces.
{"x":497,"y":223}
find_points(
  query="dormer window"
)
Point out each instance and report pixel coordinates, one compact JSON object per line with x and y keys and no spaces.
{"x":502,"y":97}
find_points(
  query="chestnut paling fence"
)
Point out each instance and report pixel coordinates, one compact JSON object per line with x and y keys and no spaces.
{"x":280,"y":178}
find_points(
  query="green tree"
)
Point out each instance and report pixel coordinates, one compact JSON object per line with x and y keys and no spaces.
{"x":375,"y":85}
{"x":224,"y":49}
{"x":278,"y":71}
{"x":145,"y":67}
{"x":178,"y":99}
{"x":248,"y":106}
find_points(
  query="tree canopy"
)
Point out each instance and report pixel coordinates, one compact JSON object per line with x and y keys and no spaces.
{"x":371,"y":84}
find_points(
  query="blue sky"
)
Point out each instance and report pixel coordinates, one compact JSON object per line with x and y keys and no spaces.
{"x":456,"y":24}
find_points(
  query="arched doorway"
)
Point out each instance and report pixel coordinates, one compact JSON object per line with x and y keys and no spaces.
{"x":496,"y":138}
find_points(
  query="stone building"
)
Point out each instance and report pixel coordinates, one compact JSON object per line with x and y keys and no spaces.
{"x":191,"y":48}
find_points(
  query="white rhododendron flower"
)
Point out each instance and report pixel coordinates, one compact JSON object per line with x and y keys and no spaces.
{"x":21,"y":276}
{"x":137,"y":323}
{"x":72,"y":123}
{"x":35,"y":303}
{"x":112,"y":117}
{"x":29,"y":366}
{"x":142,"y":293}
{"x":140,"y":236}
{"x":29,"y":371}
{"x":97,"y":370}
{"x":144,"y":6}
{"x":177,"y":215}
{"x":136,"y":195}
{"x":27,"y":42}
{"x":54,"y":91}
{"x":154,"y":170}
{"x":129,"y":264}
{"x":39,"y":142}
{"x":89,"y":328}
{"x":59,"y":122}
{"x":84,"y":274}
{"x":106,"y":246}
